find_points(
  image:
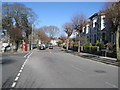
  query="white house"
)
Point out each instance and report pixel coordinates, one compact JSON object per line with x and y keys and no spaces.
{"x":97,"y":28}
{"x":54,"y":42}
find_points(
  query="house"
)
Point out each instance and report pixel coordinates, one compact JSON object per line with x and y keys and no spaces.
{"x":97,"y":28}
{"x":54,"y":42}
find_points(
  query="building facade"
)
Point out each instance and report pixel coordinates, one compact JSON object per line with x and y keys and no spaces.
{"x":98,"y":29}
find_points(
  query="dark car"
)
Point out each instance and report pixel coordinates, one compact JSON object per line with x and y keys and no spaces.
{"x":50,"y":46}
{"x":33,"y":46}
{"x":46,"y":45}
{"x":42,"y":47}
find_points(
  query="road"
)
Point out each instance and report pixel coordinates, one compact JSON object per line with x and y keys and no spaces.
{"x":11,"y":63}
{"x":57,"y":69}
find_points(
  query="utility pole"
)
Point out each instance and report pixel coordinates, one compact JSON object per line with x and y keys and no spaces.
{"x":32,"y":36}
{"x":30,"y":39}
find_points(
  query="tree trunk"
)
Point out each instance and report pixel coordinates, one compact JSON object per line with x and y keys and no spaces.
{"x":79,"y":44}
{"x":13,"y":46}
{"x":17,"y":46}
{"x":67,"y":44}
{"x":117,"y":44}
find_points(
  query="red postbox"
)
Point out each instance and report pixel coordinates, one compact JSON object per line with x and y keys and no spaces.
{"x":24,"y":46}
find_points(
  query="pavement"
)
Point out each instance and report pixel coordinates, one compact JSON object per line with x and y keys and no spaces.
{"x":106,"y":60}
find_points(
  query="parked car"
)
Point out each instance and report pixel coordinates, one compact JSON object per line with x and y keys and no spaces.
{"x":50,"y":46}
{"x":4,"y":45}
{"x":46,"y":45}
{"x":7,"y":48}
{"x":42,"y":47}
{"x":33,"y":46}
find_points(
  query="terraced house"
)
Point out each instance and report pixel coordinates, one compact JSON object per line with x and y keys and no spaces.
{"x":97,"y":28}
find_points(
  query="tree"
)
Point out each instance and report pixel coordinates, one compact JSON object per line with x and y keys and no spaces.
{"x":69,"y":30}
{"x":112,"y":12}
{"x":42,"y":36}
{"x":26,"y":26}
{"x":78,"y":22}
{"x":59,"y":42}
{"x":52,"y":31}
{"x":18,"y":16}
{"x":83,"y":40}
{"x":62,"y":38}
{"x":15,"y":35}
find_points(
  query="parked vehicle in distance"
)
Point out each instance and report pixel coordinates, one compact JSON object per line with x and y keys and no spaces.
{"x":4,"y":45}
{"x":7,"y":48}
{"x":42,"y":47}
{"x":33,"y":46}
{"x":46,"y":45}
{"x":50,"y":46}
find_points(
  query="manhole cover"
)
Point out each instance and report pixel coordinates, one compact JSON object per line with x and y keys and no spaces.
{"x":100,"y":71}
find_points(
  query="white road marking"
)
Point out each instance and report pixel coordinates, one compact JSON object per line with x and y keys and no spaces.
{"x":20,"y":71}
{"x":16,"y":78}
{"x":18,"y":74}
{"x":24,"y":63}
{"x":13,"y":85}
{"x":22,"y":68}
{"x":111,"y":84}
{"x":27,"y":54}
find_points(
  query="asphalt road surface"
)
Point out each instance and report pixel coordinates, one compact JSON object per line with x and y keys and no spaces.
{"x":56,"y":69}
{"x":11,"y":63}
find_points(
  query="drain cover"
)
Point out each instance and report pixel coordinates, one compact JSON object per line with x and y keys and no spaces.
{"x":100,"y":71}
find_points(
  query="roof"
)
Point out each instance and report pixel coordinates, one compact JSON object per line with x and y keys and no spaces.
{"x":96,"y":14}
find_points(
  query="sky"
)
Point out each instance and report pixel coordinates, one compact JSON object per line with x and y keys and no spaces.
{"x":58,"y":13}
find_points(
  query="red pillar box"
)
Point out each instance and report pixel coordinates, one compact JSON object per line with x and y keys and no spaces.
{"x":24,"y":46}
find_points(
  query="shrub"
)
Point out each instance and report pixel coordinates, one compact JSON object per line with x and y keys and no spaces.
{"x":100,"y":44}
{"x":94,"y":47}
{"x":75,"y":45}
{"x":59,"y":43}
{"x":97,"y":42}
{"x":88,"y":45}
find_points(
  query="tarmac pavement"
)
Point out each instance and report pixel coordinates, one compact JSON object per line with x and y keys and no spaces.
{"x":102,"y":59}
